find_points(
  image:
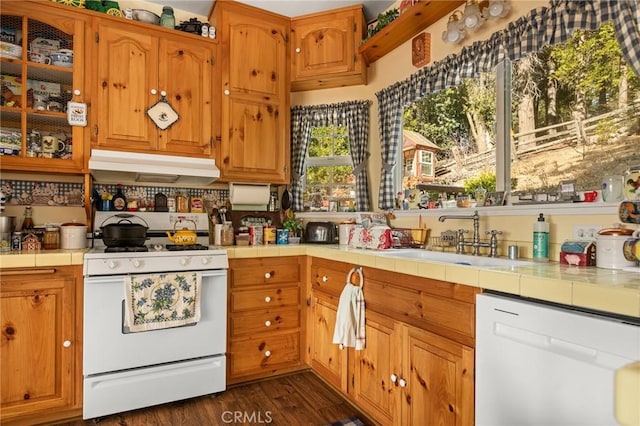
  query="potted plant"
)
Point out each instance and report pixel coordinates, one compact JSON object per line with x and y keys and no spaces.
{"x":294,"y":225}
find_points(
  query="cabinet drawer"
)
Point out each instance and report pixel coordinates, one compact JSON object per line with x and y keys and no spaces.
{"x":267,"y":321}
{"x":247,"y":272}
{"x":266,"y":298}
{"x":255,"y":355}
{"x":329,"y":279}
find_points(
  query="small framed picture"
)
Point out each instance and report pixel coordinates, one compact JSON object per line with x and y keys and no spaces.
{"x":494,"y":199}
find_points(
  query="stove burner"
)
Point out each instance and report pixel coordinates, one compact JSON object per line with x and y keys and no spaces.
{"x":126,"y":249}
{"x":176,"y":247}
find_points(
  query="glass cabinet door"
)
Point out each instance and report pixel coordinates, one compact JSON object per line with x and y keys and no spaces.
{"x":41,"y":71}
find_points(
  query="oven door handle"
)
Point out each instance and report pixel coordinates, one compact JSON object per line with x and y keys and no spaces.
{"x":110,"y":279}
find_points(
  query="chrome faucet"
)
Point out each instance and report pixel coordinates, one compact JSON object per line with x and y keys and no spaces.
{"x":475,"y":243}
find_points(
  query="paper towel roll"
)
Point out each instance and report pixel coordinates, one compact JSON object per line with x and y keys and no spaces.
{"x":249,"y":194}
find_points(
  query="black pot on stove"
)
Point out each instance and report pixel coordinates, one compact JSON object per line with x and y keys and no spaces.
{"x":123,"y":233}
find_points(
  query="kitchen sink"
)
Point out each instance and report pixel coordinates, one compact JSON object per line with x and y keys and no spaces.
{"x":454,"y":258}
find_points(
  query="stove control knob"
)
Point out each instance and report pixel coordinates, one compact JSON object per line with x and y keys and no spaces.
{"x":184,"y":261}
{"x":206,"y":260}
{"x":112,"y":264}
{"x":137,"y":263}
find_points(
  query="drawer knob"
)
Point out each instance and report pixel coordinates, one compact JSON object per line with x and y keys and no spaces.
{"x":66,"y":343}
{"x":267,"y":275}
{"x":267,"y":323}
{"x":267,"y":299}
{"x":227,"y":92}
{"x":298,"y":50}
{"x":267,"y":353}
{"x":154,"y":91}
{"x":325,"y":278}
{"x":402,"y":383}
{"x":394,"y":378}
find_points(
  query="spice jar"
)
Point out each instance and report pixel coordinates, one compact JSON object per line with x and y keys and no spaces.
{"x":182,"y":203}
{"x":51,"y":238}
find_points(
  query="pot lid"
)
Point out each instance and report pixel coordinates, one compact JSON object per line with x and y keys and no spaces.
{"x":616,"y":231}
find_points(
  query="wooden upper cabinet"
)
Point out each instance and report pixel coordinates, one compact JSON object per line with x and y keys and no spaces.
{"x":135,"y":68}
{"x":255,"y":93}
{"x":324,"y":49}
{"x":27,"y":121}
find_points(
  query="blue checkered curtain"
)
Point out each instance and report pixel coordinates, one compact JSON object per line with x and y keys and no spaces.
{"x":354,"y":116}
{"x":544,"y":26}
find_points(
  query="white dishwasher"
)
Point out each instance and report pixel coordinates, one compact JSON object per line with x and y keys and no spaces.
{"x":542,"y":364}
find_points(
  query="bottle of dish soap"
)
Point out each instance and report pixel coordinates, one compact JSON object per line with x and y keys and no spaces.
{"x":541,"y":240}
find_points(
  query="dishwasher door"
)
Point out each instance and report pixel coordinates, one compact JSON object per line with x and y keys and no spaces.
{"x":539,"y":364}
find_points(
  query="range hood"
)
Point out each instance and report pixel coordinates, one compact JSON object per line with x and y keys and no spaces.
{"x":133,"y":167}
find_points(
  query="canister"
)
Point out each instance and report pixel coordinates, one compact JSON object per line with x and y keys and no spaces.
{"x":610,"y":248}
{"x":269,"y":235}
{"x":73,"y":235}
{"x":256,"y":235}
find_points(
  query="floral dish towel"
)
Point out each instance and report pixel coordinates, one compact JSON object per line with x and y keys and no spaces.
{"x":156,"y":301}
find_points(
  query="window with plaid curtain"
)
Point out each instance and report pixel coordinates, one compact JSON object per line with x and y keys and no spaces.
{"x":354,"y":115}
{"x":549,"y":25}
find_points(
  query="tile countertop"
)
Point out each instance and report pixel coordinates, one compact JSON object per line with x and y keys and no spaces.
{"x":607,"y":290}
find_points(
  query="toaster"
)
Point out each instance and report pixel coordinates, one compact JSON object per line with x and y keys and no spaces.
{"x":321,"y":233}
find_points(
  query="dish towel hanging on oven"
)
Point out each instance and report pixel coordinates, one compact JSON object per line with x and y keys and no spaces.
{"x":350,"y":321}
{"x":155,"y":301}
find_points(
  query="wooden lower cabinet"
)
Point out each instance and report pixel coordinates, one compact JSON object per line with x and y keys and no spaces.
{"x":418,"y":364}
{"x":265,"y":327}
{"x":326,"y":359}
{"x":41,"y":347}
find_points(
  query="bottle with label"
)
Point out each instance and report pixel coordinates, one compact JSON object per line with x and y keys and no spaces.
{"x":27,"y":221}
{"x":119,"y":201}
{"x":541,"y":240}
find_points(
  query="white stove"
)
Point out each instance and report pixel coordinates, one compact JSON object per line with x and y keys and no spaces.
{"x":125,"y":370}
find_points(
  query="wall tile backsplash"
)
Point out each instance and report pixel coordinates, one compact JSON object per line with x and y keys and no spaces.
{"x":30,"y":192}
{"x":36,"y":193}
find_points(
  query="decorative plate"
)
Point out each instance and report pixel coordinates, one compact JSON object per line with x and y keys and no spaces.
{"x":162,"y":114}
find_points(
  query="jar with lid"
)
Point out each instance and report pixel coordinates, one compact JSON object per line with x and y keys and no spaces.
{"x":182,"y":202}
{"x":167,"y":19}
{"x":51,"y":239}
{"x":227,"y":234}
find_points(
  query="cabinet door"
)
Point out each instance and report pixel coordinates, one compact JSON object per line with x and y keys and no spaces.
{"x":439,"y":376}
{"x":377,"y":369}
{"x":35,"y":93}
{"x":190,"y":95}
{"x":255,"y":101}
{"x":39,"y":350}
{"x":326,"y":357}
{"x":323,"y":45}
{"x":324,"y":49}
{"x":127,"y":74}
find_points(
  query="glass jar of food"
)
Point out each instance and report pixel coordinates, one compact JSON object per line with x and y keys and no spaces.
{"x":51,"y":239}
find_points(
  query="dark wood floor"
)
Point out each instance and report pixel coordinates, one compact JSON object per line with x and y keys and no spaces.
{"x":298,"y":399}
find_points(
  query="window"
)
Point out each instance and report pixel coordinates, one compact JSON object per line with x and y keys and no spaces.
{"x":572,"y":113}
{"x":329,"y":180}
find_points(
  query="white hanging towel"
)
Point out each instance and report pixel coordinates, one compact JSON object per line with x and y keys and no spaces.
{"x":349,"y":330}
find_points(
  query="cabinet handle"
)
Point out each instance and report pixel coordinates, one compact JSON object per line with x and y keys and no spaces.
{"x":163,"y":94}
{"x":66,"y":343}
{"x":267,"y":299}
{"x":226,"y":92}
{"x":267,"y":353}
{"x":267,"y":323}
{"x":402,"y":383}
{"x":267,"y":275}
{"x":298,"y":50}
{"x":154,"y":92}
{"x":394,"y":378}
{"x":325,"y":278}
{"x":76,"y":92}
